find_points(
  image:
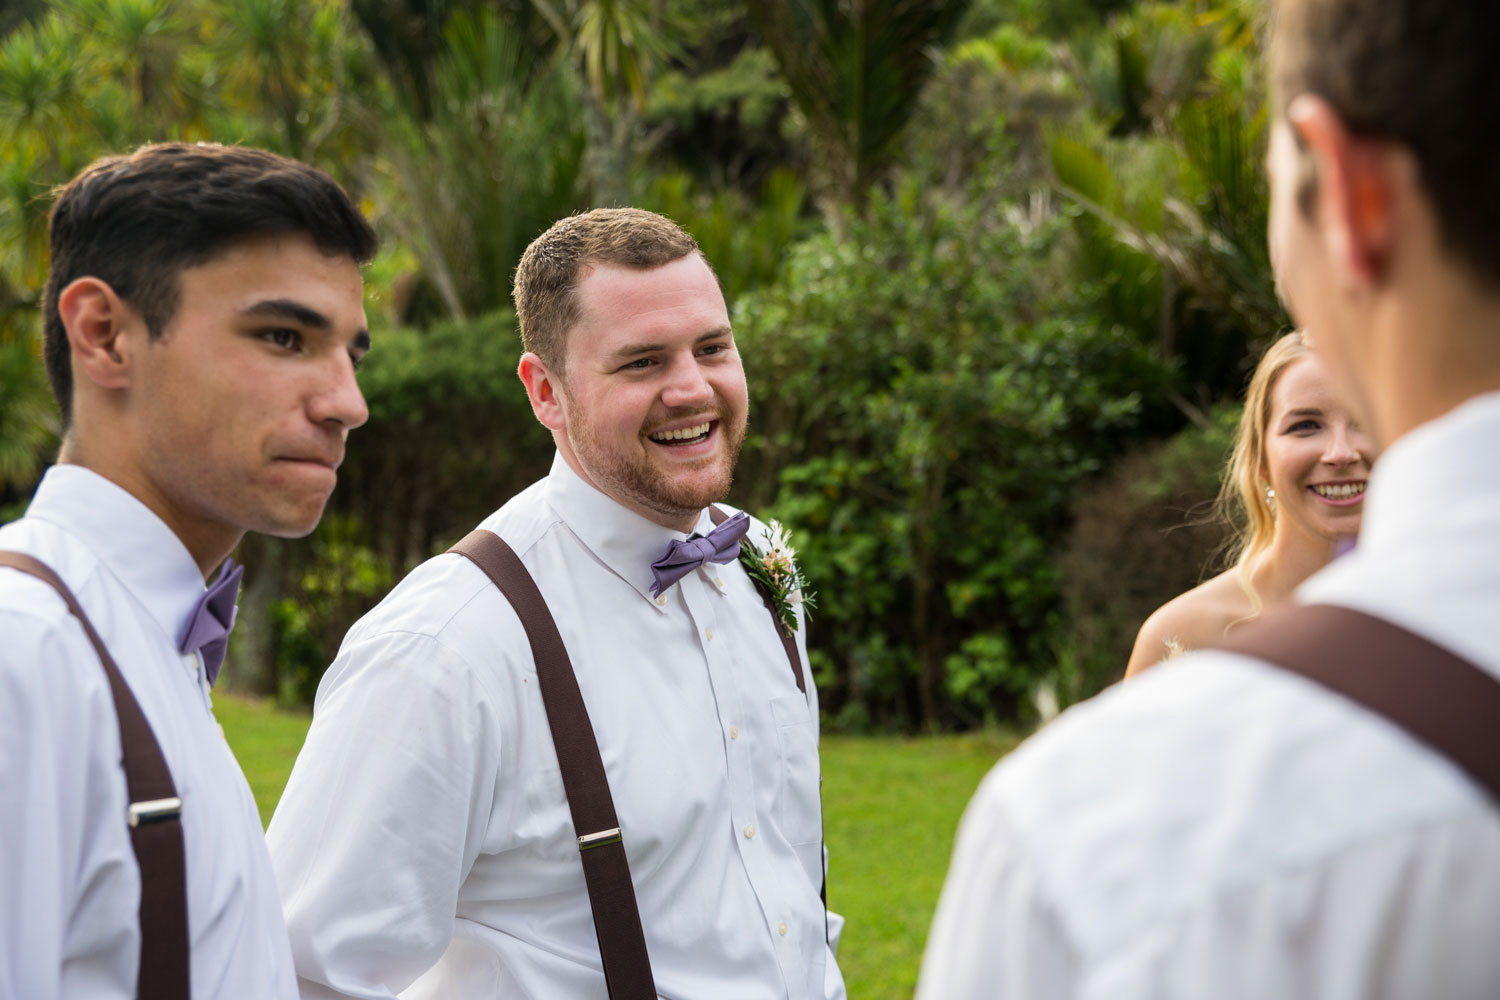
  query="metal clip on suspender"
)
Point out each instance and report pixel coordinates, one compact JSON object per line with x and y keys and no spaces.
{"x":601,"y":839}
{"x":154,"y":818}
{"x":154,"y":811}
{"x":606,"y":871}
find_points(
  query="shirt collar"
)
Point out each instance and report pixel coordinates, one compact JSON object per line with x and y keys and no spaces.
{"x":1429,"y":478}
{"x":620,"y":538}
{"x":132,"y":542}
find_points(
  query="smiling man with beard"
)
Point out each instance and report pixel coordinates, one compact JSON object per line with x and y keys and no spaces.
{"x":426,"y":842}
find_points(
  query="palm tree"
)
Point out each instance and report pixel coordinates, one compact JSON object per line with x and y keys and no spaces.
{"x":856,"y":71}
{"x":1176,"y":185}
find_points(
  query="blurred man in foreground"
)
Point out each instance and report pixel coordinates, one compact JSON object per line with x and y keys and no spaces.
{"x":1264,"y":836}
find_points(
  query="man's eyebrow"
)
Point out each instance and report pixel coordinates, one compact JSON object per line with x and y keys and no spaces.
{"x":289,"y":309}
{"x":634,"y":350}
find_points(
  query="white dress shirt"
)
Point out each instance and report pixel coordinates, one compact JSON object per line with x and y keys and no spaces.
{"x":1221,"y":828}
{"x":424,"y":837}
{"x":69,"y":883}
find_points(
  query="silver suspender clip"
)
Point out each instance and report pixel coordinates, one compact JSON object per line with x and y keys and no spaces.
{"x":599,"y":839}
{"x":154,"y":811}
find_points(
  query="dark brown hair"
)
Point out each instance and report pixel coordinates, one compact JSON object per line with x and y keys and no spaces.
{"x":547,"y":277}
{"x":1420,"y":73}
{"x":137,"y":221}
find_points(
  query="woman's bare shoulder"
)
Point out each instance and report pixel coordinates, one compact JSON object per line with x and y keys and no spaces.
{"x":1190,"y":620}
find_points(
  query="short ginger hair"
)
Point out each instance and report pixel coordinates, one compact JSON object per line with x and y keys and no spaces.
{"x":547,"y":279}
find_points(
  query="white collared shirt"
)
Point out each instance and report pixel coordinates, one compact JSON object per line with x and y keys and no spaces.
{"x":1221,"y":828}
{"x":424,"y":836}
{"x":69,"y":883}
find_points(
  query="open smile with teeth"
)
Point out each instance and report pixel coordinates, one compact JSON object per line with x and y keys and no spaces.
{"x":686,"y":435}
{"x":1339,"y":491}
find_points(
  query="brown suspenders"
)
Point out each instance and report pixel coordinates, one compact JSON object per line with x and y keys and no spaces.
{"x":1436,"y":696}
{"x":155,"y":818}
{"x":606,"y":870}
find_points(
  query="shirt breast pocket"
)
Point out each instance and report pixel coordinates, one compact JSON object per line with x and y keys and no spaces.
{"x":799,"y":807}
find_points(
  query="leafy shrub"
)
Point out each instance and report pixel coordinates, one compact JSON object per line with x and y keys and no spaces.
{"x":450,"y":438}
{"x":1142,"y":535}
{"x":921,"y":414}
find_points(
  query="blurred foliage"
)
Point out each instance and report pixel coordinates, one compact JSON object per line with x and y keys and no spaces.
{"x":983,"y":257}
{"x":342,"y":579}
{"x":922,"y":412}
{"x":856,"y":72}
{"x":1144,"y":533}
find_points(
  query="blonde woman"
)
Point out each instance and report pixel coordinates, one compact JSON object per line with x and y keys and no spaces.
{"x":1294,"y":491}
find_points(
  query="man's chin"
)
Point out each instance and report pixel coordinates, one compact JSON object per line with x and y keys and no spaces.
{"x":680,"y":500}
{"x":291,"y":524}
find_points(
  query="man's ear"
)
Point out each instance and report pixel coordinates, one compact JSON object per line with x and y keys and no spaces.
{"x":543,"y":388}
{"x":1356,"y":190}
{"x":96,"y":321}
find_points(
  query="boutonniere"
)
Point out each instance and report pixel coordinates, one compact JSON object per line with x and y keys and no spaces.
{"x":777,"y":576}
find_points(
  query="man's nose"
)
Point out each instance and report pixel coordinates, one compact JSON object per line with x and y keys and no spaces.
{"x":687,"y":386}
{"x":337,"y":399}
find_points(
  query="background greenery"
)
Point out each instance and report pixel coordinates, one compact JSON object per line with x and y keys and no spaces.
{"x":891,"y":807}
{"x":997,"y":266}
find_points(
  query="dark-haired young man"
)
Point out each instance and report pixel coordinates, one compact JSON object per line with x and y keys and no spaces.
{"x":1228,"y":828}
{"x":425,"y":845}
{"x":203,"y":317}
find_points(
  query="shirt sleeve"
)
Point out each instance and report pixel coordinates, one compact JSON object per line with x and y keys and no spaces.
{"x":384,"y":814}
{"x":994,"y":934}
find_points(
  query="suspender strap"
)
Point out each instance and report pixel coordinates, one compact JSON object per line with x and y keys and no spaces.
{"x":155,"y":818}
{"x":606,"y":871}
{"x":1435,"y":695}
{"x":788,"y":641}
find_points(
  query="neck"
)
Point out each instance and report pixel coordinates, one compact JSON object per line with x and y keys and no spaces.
{"x":1428,"y":354}
{"x":1292,"y":557}
{"x":209,"y":545}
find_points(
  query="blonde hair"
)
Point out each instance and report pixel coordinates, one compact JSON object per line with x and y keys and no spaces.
{"x":1242,"y":501}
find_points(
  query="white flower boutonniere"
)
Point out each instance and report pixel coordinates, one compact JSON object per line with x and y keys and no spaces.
{"x":777,"y":576}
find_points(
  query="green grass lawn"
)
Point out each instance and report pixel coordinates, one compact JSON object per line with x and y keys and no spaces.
{"x":891,"y":806}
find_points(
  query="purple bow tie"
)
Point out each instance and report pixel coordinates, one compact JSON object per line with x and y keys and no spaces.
{"x":720,"y":545}
{"x":208,"y":626}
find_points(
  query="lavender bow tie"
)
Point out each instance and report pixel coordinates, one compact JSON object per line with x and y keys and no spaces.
{"x":213,"y":616}
{"x":720,"y":545}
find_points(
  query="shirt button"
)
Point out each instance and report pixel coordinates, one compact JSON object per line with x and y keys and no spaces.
{"x":708,"y":633}
{"x":662,"y":600}
{"x":734,"y":732}
{"x":718,"y":582}
{"x":781,"y":928}
{"x":750,"y":831}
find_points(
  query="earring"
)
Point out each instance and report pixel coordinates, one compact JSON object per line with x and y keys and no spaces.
{"x":1270,"y":495}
